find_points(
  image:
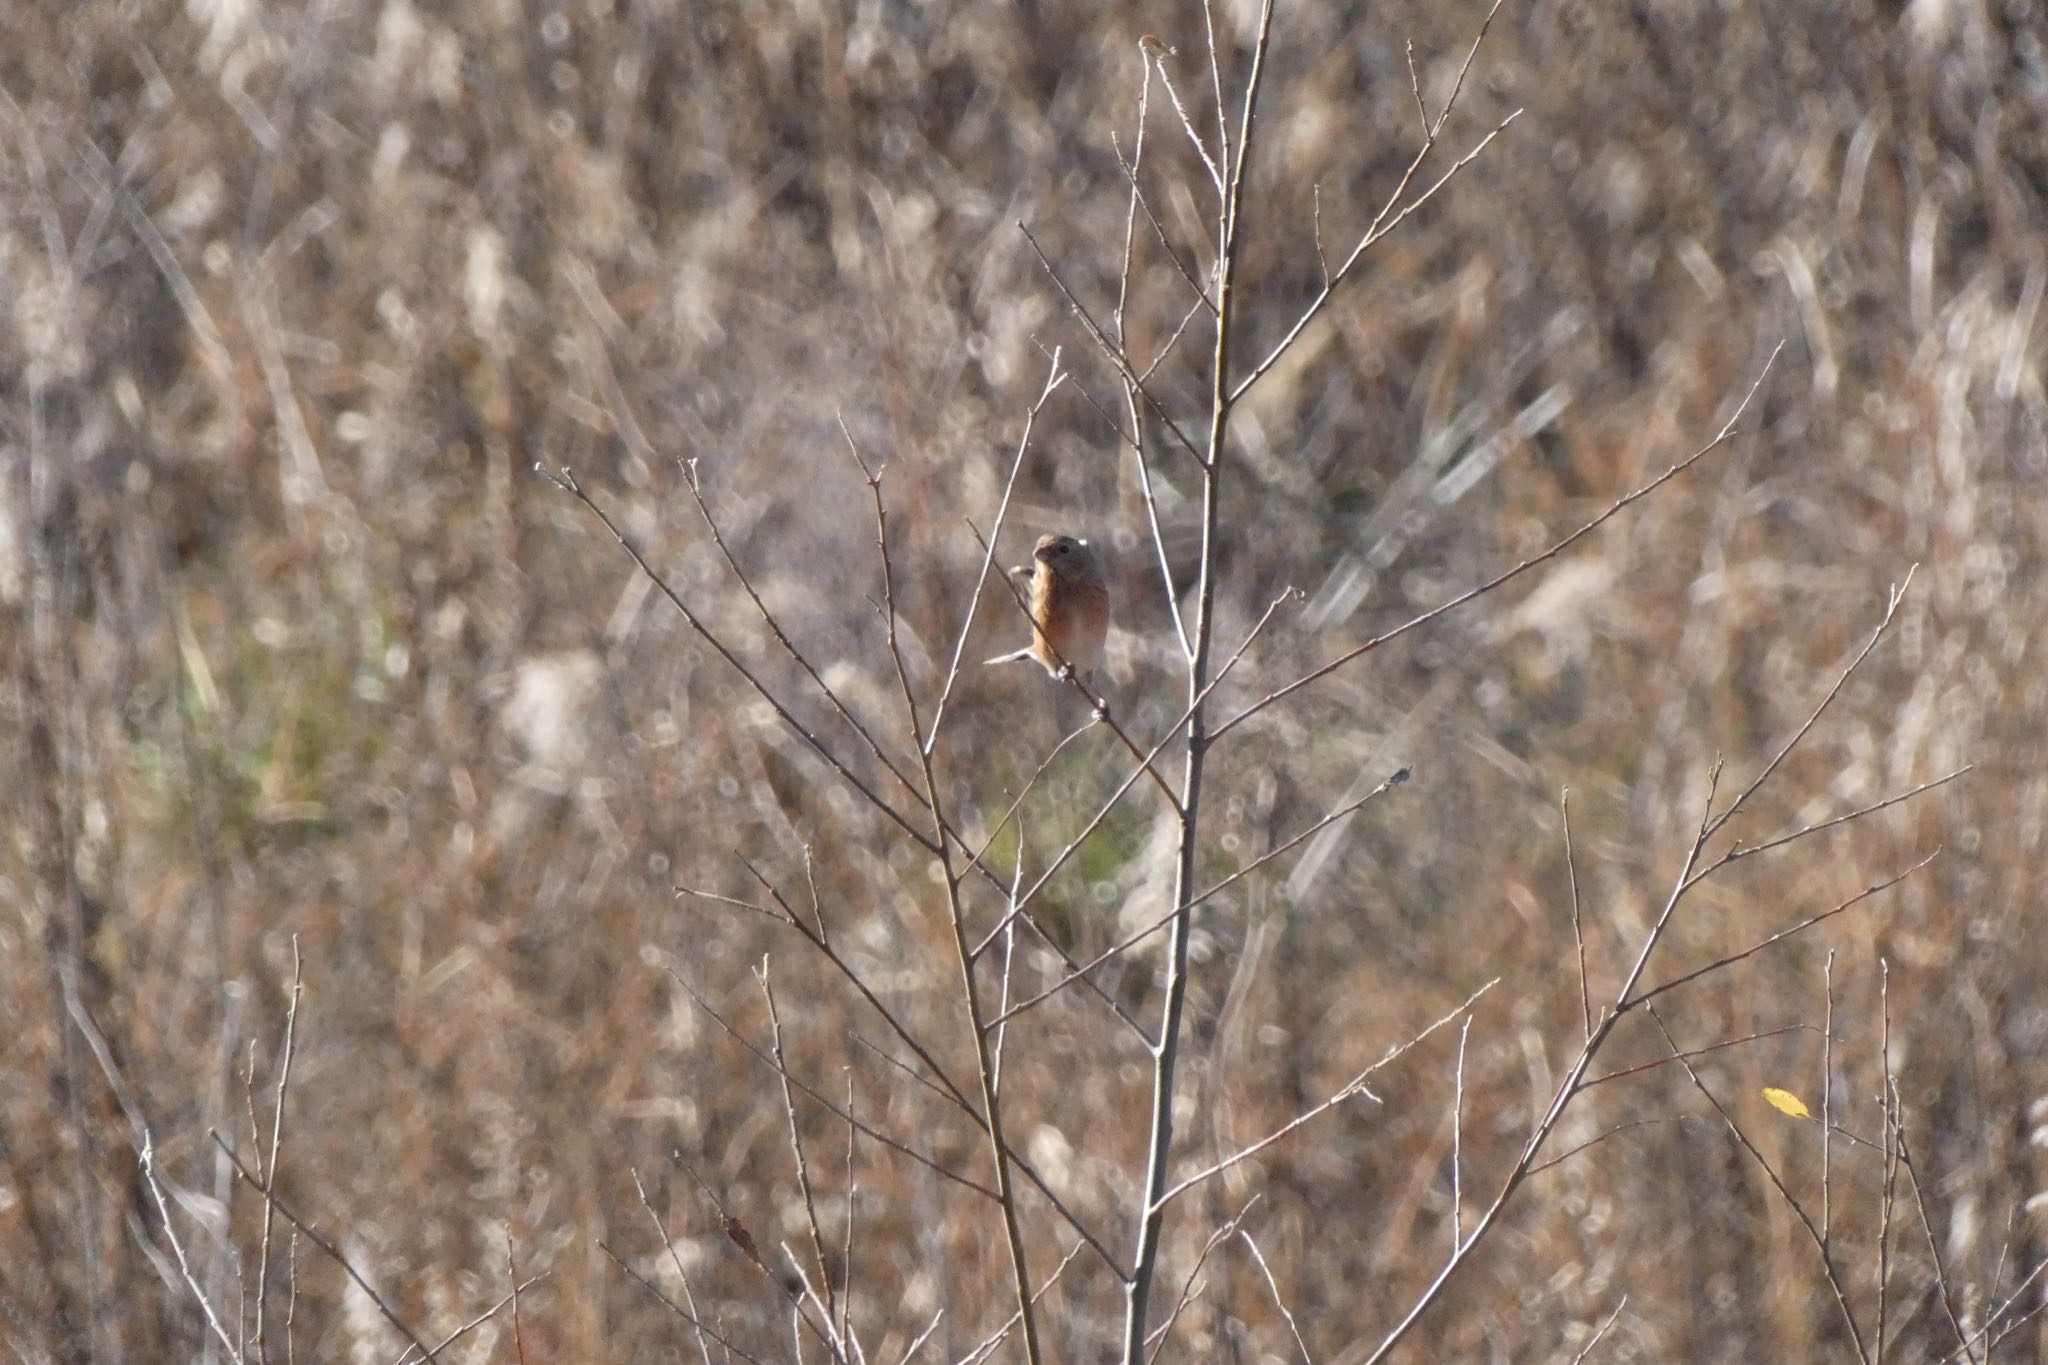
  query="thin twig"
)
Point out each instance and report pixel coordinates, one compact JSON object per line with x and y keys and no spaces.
{"x":1791,"y":1201}
{"x":1741,"y":851}
{"x":987,"y":1347}
{"x":830,"y":1307}
{"x":846,"y":1242}
{"x":1216,"y":80}
{"x":1107,"y":345}
{"x":1587,"y":1349}
{"x":1278,"y":1302}
{"x":565,"y":480}
{"x":1887,"y":1104}
{"x":1002,"y":1030}
{"x":1415,"y":87}
{"x":284,"y":1075}
{"x":320,"y":1239}
{"x":1138,"y":201}
{"x":902,"y":1149}
{"x":1896,"y":596}
{"x":291,"y":1302}
{"x":702,"y":1326}
{"x":1010,"y":812}
{"x":480,"y":1319}
{"x":784,"y":914}
{"x":1865,"y":894}
{"x":768,"y":618}
{"x":1473,"y":594}
{"x":1322,"y":262}
{"x":1827,"y":1104}
{"x":1188,"y":1289}
{"x":1133,"y":411}
{"x":518,"y":1331}
{"x":1458,"y":1138}
{"x":1188,"y":125}
{"x":1571,"y":868}
{"x":1657,"y":1062}
{"x":1356,"y":1086}
{"x":917,"y":1342}
{"x":163,"y":1208}
{"x":1130,"y":941}
{"x":1053,"y":378}
{"x":1947,"y":1295}
{"x":1601,"y":1137}
{"x":1387,"y":219}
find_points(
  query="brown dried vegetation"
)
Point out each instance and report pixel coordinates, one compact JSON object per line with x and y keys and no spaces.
{"x":298,"y":648}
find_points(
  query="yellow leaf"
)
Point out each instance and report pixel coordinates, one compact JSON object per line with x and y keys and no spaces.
{"x":1785,"y":1102}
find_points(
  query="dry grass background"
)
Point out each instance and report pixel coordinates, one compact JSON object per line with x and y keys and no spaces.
{"x":297,"y":646}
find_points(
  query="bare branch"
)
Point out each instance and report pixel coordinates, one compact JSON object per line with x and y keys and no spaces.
{"x":480,"y":1319}
{"x":1188,"y":125}
{"x":320,"y":1239}
{"x":1189,"y":1289}
{"x":1587,"y":1349}
{"x":831,"y":1106}
{"x":163,"y":1208}
{"x":1108,"y":347}
{"x":566,"y":481}
{"x":1473,"y":594}
{"x":1827,"y":1104}
{"x":830,"y":1306}
{"x":690,"y":480}
{"x":1571,"y":868}
{"x":1356,"y":1086}
{"x":1130,"y":941}
{"x":1278,"y":1302}
{"x":1896,"y":596}
{"x":1741,"y":851}
{"x":1415,"y":86}
{"x":1054,"y":377}
{"x":1947,"y":1295}
{"x":284,"y":1076}
{"x":1717,"y":964}
{"x":1888,"y":1109}
{"x":1138,"y":201}
{"x":1387,"y":219}
{"x":1458,"y":1138}
{"x":1599,"y":1138}
{"x":702,"y":1326}
{"x":1653,"y":1064}
{"x":1813,"y":1233}
{"x":675,"y":1259}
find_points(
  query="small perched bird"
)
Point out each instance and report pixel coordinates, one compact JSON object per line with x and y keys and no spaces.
{"x":1069,"y":607}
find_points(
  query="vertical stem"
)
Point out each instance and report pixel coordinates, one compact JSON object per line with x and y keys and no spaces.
{"x":1166,"y":1045}
{"x":963,"y":947}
